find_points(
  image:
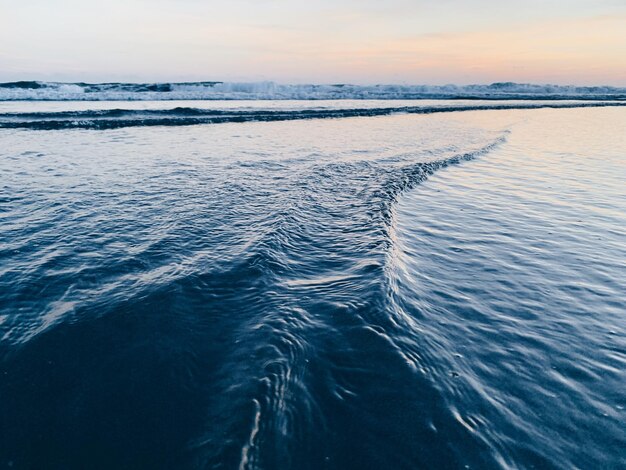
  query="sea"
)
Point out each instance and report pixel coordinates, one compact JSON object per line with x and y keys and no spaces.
{"x":220,"y":281}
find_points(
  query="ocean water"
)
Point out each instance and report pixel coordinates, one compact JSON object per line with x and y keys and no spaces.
{"x":55,"y":91}
{"x":402,"y":290}
{"x":96,"y":115}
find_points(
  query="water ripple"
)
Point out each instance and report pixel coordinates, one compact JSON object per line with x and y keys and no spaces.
{"x":289,"y":295}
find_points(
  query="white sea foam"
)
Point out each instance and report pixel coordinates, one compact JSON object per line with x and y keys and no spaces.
{"x":274,"y":91}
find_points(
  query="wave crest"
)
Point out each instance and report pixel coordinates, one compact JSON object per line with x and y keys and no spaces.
{"x":57,"y":91}
{"x":181,"y":116}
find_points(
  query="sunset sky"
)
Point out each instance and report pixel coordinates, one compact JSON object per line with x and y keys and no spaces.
{"x":397,"y":41}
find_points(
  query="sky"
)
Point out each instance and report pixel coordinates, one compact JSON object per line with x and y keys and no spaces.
{"x":581,"y":42}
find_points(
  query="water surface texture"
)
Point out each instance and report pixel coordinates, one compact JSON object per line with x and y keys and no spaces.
{"x":56,"y":91}
{"x":397,"y":291}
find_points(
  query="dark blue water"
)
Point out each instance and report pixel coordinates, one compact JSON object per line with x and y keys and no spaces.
{"x":404,"y":291}
{"x":115,"y":118}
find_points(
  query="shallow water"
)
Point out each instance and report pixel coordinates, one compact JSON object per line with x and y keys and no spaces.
{"x":107,"y":115}
{"x":399,"y":291}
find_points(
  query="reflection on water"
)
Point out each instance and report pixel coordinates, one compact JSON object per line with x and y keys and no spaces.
{"x":385,"y":292}
{"x":516,"y":273}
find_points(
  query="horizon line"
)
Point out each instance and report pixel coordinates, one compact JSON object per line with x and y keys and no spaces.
{"x":286,"y":83}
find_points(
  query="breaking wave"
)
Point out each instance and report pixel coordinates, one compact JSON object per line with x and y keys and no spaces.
{"x":53,"y":91}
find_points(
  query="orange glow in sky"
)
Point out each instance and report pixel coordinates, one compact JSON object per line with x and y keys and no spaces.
{"x":400,"y":41}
